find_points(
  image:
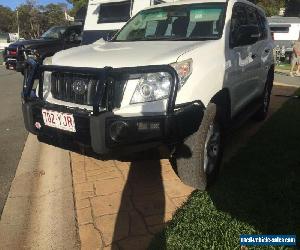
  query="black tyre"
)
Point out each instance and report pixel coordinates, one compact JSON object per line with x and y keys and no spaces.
{"x":262,"y":113}
{"x":198,"y":158}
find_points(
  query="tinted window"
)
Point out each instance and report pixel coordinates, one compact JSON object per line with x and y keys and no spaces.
{"x":280,"y":29}
{"x":74,"y":33}
{"x":158,"y":2}
{"x":245,"y":20}
{"x":115,"y":12}
{"x":182,"y":22}
{"x":54,"y":33}
{"x":238,"y":19}
{"x":252,"y":18}
{"x":263,"y":26}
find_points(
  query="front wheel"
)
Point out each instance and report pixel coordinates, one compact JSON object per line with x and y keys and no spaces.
{"x":262,"y":112}
{"x":198,"y":158}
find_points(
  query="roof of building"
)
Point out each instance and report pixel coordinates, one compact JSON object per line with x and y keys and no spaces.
{"x":281,"y":19}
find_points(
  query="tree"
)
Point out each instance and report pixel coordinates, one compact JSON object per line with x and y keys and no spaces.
{"x":7,"y":19}
{"x":271,"y":7}
{"x":30,"y":21}
{"x":292,"y":8}
{"x":54,"y":14}
{"x":35,"y":20}
{"x":77,"y":4}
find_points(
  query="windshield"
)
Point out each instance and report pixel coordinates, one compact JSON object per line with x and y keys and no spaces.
{"x":178,"y":22}
{"x":54,"y":33}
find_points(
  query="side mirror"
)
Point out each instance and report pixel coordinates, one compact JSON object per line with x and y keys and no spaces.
{"x":247,"y":34}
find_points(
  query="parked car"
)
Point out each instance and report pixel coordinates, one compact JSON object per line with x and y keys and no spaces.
{"x":4,"y":40}
{"x":178,"y":74}
{"x":285,"y":31}
{"x":105,"y":17}
{"x":55,"y":39}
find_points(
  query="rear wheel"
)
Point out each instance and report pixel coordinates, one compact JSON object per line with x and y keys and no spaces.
{"x":198,"y":158}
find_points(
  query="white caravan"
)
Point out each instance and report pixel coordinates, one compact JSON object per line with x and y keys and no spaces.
{"x":105,"y":17}
{"x":285,"y":31}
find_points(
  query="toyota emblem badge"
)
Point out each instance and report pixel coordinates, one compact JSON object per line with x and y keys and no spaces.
{"x":79,"y":87}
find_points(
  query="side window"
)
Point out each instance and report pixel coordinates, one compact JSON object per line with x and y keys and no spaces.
{"x":73,"y":34}
{"x":155,"y":2}
{"x":251,"y":16}
{"x":113,"y":12}
{"x":263,"y":25}
{"x":238,"y":19}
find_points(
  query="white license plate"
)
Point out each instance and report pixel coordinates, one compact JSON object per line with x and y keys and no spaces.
{"x":59,"y":120}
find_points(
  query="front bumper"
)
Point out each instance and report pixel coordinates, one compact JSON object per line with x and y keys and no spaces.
{"x":108,"y":134}
{"x":102,"y":132}
{"x":10,"y":63}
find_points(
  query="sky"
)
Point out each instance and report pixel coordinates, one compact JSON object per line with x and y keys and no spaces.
{"x":14,"y":3}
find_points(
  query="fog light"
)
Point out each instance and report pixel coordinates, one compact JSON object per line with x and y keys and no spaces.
{"x":118,"y":130}
{"x":143,"y":126}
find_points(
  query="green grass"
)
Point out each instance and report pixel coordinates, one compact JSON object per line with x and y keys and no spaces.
{"x":283,"y":66}
{"x":257,"y":192}
{"x":1,"y":57}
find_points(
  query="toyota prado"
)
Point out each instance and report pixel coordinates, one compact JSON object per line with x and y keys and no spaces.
{"x":177,"y":74}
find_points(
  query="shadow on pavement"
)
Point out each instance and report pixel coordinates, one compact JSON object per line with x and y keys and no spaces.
{"x":145,"y":187}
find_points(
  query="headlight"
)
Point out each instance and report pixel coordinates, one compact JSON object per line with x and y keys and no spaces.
{"x":152,"y":87}
{"x":184,"y":69}
{"x":47,"y":77}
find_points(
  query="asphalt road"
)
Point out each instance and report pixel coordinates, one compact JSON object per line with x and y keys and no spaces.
{"x":12,"y":131}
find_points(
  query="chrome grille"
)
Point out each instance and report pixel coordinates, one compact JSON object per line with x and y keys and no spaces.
{"x":82,"y":88}
{"x":74,"y":88}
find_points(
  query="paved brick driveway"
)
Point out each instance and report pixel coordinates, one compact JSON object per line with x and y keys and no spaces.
{"x":122,"y":202}
{"x":121,"y":205}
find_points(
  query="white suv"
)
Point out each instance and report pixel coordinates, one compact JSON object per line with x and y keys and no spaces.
{"x":176,"y":74}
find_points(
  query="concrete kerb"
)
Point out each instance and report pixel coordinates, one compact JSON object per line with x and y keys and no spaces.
{"x":39,"y":211}
{"x":284,"y":84}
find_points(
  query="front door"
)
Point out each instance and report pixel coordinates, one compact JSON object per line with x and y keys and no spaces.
{"x":244,"y":61}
